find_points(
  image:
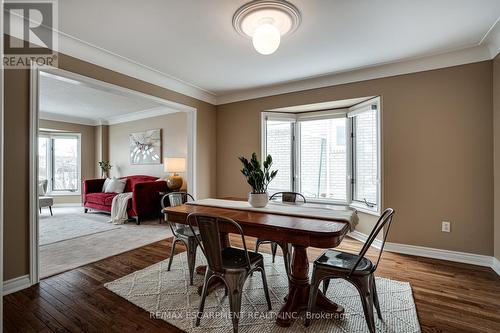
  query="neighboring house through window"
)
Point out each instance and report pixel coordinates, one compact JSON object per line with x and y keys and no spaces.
{"x":330,"y":156}
{"x":59,"y":162}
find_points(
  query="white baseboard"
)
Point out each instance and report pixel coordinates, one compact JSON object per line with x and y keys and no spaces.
{"x":377,"y":243}
{"x":68,"y":205}
{"x":16,"y":284}
{"x":496,"y":265}
{"x":429,"y":252}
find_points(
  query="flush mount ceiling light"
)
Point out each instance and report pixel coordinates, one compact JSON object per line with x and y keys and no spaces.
{"x":265,"y":22}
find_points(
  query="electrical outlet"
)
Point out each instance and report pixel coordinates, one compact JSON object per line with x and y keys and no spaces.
{"x":445,"y":226}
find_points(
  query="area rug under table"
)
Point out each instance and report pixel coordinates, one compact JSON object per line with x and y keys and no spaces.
{"x":167,"y":295}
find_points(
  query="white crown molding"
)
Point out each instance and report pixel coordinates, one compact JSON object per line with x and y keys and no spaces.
{"x":96,"y":55}
{"x":464,"y":56}
{"x":99,"y":56}
{"x":133,"y":116}
{"x":66,"y":118}
{"x":149,"y":113}
{"x":486,"y":49}
{"x":16,"y":284}
{"x":492,"y":39}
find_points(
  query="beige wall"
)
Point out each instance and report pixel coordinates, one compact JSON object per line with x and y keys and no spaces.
{"x":496,"y":126}
{"x":437,"y":141}
{"x":174,"y":143}
{"x":17,"y":110}
{"x":16,"y":170}
{"x":437,"y":144}
{"x":87,"y":154}
{"x":101,"y":144}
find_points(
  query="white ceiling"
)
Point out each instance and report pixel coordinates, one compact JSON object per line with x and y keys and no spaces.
{"x":67,"y":99}
{"x":194,"y":41}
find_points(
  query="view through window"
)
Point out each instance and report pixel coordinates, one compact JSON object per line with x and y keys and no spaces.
{"x":59,"y":162}
{"x":323,"y":160}
{"x":365,"y":169}
{"x":327,"y":156}
{"x":279,"y":137}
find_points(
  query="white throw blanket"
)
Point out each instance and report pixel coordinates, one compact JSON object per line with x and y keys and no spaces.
{"x":119,"y":208}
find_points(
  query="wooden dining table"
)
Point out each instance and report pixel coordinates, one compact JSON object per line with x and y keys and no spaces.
{"x":302,"y":232}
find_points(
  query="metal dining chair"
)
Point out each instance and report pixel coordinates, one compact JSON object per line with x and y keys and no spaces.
{"x":356,"y":269}
{"x":231,"y":265}
{"x":290,"y":197}
{"x":182,"y":233}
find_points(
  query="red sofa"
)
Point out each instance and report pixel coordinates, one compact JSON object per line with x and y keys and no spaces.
{"x":145,"y":201}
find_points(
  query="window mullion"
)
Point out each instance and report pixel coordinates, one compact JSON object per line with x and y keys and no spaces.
{"x":51,"y":169}
{"x":296,"y":157}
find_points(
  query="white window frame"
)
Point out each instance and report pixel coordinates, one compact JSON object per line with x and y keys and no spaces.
{"x":372,"y":104}
{"x":50,"y":161}
{"x":320,"y":115}
{"x":348,"y":113}
{"x":280,"y":117}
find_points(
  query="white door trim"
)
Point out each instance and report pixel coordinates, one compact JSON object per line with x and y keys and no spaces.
{"x":33,"y":169}
{"x":2,"y":159}
{"x":33,"y":174}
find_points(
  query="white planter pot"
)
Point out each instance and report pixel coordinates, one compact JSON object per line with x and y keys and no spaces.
{"x":258,"y":200}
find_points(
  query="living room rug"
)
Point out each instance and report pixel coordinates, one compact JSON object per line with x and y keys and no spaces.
{"x":111,"y":240}
{"x":61,"y":227}
{"x":167,"y":295}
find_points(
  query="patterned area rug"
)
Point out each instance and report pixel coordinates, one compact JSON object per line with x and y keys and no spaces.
{"x":62,"y":227}
{"x":167,"y":295}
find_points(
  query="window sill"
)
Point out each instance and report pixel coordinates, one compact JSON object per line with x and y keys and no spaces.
{"x":326,"y":202}
{"x":60,"y":194}
{"x":364,"y":209}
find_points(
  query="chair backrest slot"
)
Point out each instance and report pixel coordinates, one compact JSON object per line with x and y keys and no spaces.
{"x":175,"y":199}
{"x":384,"y":220}
{"x":288,"y":196}
{"x":209,"y":239}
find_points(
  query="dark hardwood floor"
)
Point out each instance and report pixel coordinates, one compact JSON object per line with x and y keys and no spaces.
{"x":450,"y":297}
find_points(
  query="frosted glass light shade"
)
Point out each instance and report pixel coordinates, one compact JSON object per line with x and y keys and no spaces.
{"x":266,"y":39}
{"x":174,"y":164}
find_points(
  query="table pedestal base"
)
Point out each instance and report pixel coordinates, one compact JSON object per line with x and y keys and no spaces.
{"x":298,"y":293}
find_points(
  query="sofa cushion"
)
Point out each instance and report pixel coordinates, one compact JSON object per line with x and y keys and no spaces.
{"x":132,"y":180}
{"x":115,"y":185}
{"x":105,"y":185}
{"x":100,"y":198}
{"x":108,"y":201}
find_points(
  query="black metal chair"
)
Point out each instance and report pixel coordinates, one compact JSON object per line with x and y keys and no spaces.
{"x":231,"y":265}
{"x":182,"y":233}
{"x":356,"y":269}
{"x":290,"y":197}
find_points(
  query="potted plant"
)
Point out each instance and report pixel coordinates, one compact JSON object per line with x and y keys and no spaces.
{"x":258,"y":178}
{"x":105,"y":167}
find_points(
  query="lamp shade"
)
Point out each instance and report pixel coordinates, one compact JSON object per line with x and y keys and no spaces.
{"x":174,"y":164}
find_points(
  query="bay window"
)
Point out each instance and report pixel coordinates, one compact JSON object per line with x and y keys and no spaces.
{"x":59,"y":162}
{"x":279,"y":139}
{"x":329,"y":156}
